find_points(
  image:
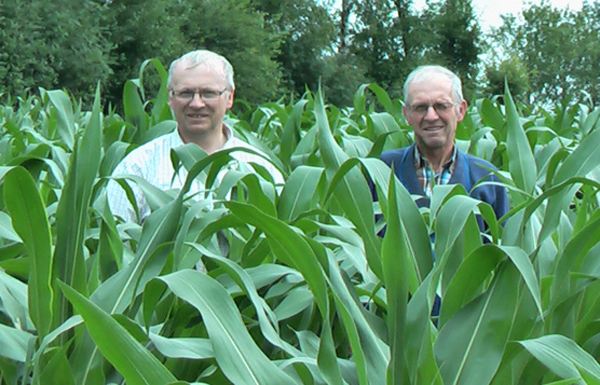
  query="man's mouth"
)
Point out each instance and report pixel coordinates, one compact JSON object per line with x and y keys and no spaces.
{"x":433,"y":129}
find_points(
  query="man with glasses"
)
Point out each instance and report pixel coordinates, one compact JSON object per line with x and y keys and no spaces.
{"x":201,"y":90}
{"x":433,"y":106}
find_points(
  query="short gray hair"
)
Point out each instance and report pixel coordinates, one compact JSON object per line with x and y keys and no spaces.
{"x":427,"y":72}
{"x":195,"y":58}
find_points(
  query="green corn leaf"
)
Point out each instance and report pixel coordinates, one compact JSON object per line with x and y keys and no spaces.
{"x":411,"y":217}
{"x":13,"y":294}
{"x":291,"y":131}
{"x":564,"y":357}
{"x":362,"y":328}
{"x":470,"y":346}
{"x":421,"y":333}
{"x":160,"y":109}
{"x":577,"y":247}
{"x":266,"y":317}
{"x":134,"y":110}
{"x":237,"y":354}
{"x":137,"y":365}
{"x":350,"y":190}
{"x":584,"y":159}
{"x":491,"y":115}
{"x":468,"y":281}
{"x":289,"y":247}
{"x":187,"y":348}
{"x":521,"y":163}
{"x":299,"y":194}
{"x":64,"y":116}
{"x":30,"y":221}
{"x":397,"y":269}
{"x":15,"y":343}
{"x":116,"y":293}
{"x":72,"y":210}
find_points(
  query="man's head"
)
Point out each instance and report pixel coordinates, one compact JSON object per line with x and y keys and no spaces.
{"x":433,"y":106}
{"x":201,"y":90}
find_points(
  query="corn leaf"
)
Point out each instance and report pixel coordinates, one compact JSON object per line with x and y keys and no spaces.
{"x":521,"y":163}
{"x":30,"y":221}
{"x":237,"y":354}
{"x":350,"y":190}
{"x":137,"y":365}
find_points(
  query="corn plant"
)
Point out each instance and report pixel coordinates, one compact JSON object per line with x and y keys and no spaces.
{"x":264,"y":284}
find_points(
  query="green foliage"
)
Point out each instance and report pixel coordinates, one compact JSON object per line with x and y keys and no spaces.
{"x":52,"y":45}
{"x":554,"y":69}
{"x":238,"y":32}
{"x":139,"y":30}
{"x":456,"y":40}
{"x":512,"y":72}
{"x":307,"y":30}
{"x":292,"y":284}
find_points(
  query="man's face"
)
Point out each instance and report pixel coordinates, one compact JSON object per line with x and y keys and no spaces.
{"x":199,"y":117}
{"x":433,"y":113}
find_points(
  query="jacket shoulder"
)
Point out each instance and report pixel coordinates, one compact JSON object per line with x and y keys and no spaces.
{"x":392,"y":156}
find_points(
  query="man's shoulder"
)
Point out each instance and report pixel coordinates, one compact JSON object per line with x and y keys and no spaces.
{"x":236,"y":142}
{"x":156,"y":145}
{"x":392,"y":156}
{"x":475,"y":160}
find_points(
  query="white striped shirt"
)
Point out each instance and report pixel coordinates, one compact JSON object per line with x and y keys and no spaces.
{"x":152,"y":162}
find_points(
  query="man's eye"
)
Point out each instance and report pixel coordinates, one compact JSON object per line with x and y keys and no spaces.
{"x":442,"y":106}
{"x":186,"y":94}
{"x":421,"y":108}
{"x":210,"y":94}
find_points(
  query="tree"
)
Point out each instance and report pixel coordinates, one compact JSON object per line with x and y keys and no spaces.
{"x":455,"y":39}
{"x":236,"y":30}
{"x":555,"y":68}
{"x":141,"y":30}
{"x":512,"y":72}
{"x":307,"y":33}
{"x":391,"y":38}
{"x":378,"y":42}
{"x":52,"y":45}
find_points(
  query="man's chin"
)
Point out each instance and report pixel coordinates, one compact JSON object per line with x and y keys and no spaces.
{"x":198,"y":126}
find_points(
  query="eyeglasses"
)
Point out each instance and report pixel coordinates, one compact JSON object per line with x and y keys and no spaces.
{"x":440,"y":108}
{"x":205,"y":95}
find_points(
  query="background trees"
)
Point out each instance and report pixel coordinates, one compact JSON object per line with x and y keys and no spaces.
{"x":282,"y":48}
{"x":53,"y":44}
{"x":555,"y":51}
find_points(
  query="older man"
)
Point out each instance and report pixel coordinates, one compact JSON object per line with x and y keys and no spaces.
{"x":434,"y":106}
{"x":201,"y":90}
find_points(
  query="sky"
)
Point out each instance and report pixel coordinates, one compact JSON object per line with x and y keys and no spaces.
{"x":489,"y":11}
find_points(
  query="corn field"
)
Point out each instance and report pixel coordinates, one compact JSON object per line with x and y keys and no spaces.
{"x":305,"y":292}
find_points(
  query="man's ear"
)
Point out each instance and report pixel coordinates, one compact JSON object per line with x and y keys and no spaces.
{"x":406,"y":113}
{"x":462,"y":110}
{"x":230,"y":96}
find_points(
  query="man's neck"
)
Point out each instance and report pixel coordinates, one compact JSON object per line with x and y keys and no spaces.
{"x":210,"y":142}
{"x":436,"y":158}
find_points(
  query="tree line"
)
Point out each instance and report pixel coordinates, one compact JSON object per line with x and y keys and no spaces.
{"x":284,"y":47}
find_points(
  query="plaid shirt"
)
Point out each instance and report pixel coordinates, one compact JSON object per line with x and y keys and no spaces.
{"x":426,"y":176}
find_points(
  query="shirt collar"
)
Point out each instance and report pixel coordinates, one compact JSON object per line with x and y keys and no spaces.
{"x":421,"y":161}
{"x":177,"y":141}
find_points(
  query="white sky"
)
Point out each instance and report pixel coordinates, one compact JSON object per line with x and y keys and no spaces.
{"x":490,"y":10}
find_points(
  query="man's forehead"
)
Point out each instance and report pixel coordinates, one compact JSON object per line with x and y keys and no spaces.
{"x":430,"y":88}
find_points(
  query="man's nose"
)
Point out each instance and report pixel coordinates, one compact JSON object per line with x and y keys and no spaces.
{"x":431,"y":113}
{"x":197,"y":100}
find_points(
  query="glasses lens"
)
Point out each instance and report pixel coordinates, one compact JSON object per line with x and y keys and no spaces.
{"x":210,"y":95}
{"x":442,"y":107}
{"x":422,"y":109}
{"x":185,"y":95}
